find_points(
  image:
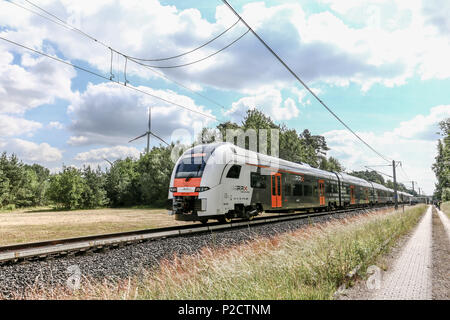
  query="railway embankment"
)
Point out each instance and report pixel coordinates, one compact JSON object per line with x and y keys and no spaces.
{"x":305,"y":263}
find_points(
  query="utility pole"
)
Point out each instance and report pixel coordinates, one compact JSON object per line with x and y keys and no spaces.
{"x":149,"y":128}
{"x":395,"y":185}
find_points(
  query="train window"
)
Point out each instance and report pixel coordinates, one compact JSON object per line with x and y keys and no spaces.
{"x":298,"y":190}
{"x":315,"y":193}
{"x":328,"y":188}
{"x":307,"y":191}
{"x":234,"y":172}
{"x":335,"y":188}
{"x":257,"y":181}
{"x":193,"y":162}
{"x":287,"y":189}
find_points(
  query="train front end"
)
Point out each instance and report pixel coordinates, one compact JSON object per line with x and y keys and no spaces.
{"x":193,"y":189}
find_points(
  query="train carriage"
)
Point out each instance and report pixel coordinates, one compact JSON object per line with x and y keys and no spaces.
{"x":222,"y":181}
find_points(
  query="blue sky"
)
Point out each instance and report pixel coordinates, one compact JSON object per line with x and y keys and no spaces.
{"x":381,"y":65}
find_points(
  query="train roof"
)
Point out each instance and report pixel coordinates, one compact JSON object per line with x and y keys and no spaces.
{"x":263,"y":160}
{"x":345,"y":177}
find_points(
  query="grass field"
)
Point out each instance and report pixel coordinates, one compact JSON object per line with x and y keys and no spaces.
{"x":39,"y":224}
{"x":445,"y":207}
{"x":309,"y":263}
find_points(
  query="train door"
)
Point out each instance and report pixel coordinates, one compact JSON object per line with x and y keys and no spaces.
{"x":321,"y":192}
{"x":352,"y":194}
{"x":276,"y":190}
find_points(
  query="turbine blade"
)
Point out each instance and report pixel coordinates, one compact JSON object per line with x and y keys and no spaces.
{"x":158,"y":138}
{"x":139,"y":137}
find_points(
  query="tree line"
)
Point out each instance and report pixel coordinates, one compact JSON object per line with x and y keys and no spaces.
{"x":441,"y":167}
{"x":145,"y":181}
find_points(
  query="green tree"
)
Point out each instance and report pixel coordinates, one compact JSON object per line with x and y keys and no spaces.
{"x":120,"y":182}
{"x":304,"y":147}
{"x":66,"y":189}
{"x":441,"y":167}
{"x":153,"y":179}
{"x":94,"y":194}
{"x":370,"y":176}
{"x":38,"y":183}
{"x":331,"y":164}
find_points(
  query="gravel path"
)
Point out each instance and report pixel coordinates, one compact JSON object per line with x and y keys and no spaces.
{"x":128,"y":261}
{"x":424,"y":274}
{"x":410,"y":277}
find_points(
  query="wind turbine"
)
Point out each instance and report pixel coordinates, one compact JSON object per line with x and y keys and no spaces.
{"x":149,"y":132}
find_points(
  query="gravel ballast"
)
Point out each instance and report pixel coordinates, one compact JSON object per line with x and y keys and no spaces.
{"x":121,"y":263}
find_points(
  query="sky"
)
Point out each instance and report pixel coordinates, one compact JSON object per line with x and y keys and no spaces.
{"x":381,"y":65}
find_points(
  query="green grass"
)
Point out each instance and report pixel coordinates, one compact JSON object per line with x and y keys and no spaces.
{"x":309,"y":263}
{"x":445,"y":207}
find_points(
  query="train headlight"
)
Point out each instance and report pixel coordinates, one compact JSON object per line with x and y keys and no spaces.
{"x":173,"y":189}
{"x":201,"y":189}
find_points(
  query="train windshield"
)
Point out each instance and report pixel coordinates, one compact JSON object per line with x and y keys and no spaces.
{"x":193,"y":162}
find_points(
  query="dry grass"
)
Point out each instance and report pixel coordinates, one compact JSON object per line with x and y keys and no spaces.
{"x":40,"y":224}
{"x":309,"y":263}
{"x":33,"y":225}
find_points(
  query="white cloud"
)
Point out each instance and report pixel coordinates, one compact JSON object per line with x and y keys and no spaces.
{"x":30,"y":151}
{"x":424,"y":127}
{"x":113,"y":153}
{"x":413,"y":143}
{"x":108,"y":114}
{"x":55,"y":125}
{"x":13,"y":126}
{"x":390,"y":43}
{"x":437,"y":13}
{"x":269,"y":101}
{"x":35,"y":82}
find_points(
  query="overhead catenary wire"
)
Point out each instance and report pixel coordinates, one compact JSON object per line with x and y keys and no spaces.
{"x":60,"y":21}
{"x":106,"y":78}
{"x":302,"y":82}
{"x":202,"y":59}
{"x":249,"y":29}
{"x":190,"y":51}
{"x":379,"y":172}
{"x":64,"y":24}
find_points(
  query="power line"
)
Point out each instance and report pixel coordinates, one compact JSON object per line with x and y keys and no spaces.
{"x":200,"y":60}
{"x":70,"y":26}
{"x":379,"y":172}
{"x":41,"y":15}
{"x":131,"y":58}
{"x":64,"y":24}
{"x":303,"y":83}
{"x":183,"y":54}
{"x":106,"y":78}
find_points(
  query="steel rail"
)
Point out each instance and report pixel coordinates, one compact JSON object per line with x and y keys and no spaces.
{"x":41,"y":250}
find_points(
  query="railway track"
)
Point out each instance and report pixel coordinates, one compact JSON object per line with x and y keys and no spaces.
{"x":66,"y":247}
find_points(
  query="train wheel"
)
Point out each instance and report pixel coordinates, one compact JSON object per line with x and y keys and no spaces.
{"x":204,"y":221}
{"x":224,"y":219}
{"x":250,"y":218}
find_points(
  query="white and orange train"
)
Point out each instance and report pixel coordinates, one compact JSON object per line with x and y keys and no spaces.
{"x":222,"y":181}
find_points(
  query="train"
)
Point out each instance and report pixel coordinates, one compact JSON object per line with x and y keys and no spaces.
{"x":221,"y":181}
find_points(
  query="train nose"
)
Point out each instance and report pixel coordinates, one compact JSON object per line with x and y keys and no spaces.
{"x":184,"y":187}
